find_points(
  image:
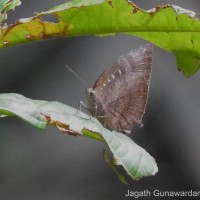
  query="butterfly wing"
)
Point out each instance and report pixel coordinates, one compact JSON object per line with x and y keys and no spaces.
{"x":137,"y":61}
{"x":123,"y":89}
{"x":126,"y":106}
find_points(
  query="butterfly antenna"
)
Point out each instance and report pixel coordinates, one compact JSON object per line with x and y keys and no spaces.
{"x":77,"y":76}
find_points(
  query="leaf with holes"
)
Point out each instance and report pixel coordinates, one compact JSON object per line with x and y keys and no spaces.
{"x":168,"y":26}
{"x":5,"y":6}
{"x":134,"y":159}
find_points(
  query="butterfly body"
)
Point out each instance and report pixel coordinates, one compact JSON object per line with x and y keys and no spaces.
{"x":118,"y":98}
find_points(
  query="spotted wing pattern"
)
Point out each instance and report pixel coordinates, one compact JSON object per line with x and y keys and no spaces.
{"x":120,"y":93}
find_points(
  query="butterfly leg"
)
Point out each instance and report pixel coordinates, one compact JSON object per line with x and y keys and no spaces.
{"x":81,"y":104}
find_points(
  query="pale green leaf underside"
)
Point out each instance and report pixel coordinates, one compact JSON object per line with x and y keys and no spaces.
{"x":170,"y":27}
{"x":135,"y":160}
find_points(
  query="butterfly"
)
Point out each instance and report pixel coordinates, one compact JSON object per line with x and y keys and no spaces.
{"x":119,"y":96}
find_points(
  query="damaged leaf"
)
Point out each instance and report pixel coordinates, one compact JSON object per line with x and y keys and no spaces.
{"x":7,"y":5}
{"x":168,"y":26}
{"x":134,"y":159}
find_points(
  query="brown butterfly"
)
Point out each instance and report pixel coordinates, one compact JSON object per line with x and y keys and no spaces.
{"x":119,"y":96}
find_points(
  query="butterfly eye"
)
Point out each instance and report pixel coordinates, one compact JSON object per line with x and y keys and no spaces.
{"x":90,"y":92}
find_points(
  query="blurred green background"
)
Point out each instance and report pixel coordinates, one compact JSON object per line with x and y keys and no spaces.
{"x":48,"y":165}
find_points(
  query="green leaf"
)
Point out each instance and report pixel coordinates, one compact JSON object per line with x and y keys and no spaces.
{"x":170,"y":27}
{"x":15,"y":104}
{"x":7,"y":5}
{"x":113,"y":167}
{"x":134,"y":159}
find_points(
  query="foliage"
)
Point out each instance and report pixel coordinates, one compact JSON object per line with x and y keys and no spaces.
{"x":135,"y":160}
{"x":170,"y":27}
